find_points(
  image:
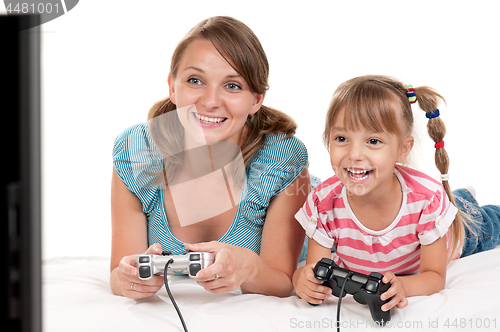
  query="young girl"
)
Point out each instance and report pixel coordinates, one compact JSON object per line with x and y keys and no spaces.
{"x":379,"y":215}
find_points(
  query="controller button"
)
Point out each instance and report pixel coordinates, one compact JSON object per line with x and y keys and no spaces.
{"x":194,"y":269}
{"x":194,"y":257}
{"x":372,"y":286}
{"x":144,"y":272}
{"x":321,"y":272}
{"x":144,"y":259}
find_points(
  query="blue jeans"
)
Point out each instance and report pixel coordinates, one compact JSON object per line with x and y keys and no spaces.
{"x":487,"y":227}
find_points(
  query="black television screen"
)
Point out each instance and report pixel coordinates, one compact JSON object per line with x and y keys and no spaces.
{"x":20,"y":191}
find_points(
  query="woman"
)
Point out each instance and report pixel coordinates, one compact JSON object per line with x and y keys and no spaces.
{"x":217,"y":86}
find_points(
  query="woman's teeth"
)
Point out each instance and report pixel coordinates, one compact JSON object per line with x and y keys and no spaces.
{"x":205,"y":119}
{"x":358,"y":174}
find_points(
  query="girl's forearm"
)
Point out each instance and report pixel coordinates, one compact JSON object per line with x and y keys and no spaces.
{"x":424,"y":283}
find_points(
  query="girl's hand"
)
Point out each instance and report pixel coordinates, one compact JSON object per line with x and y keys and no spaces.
{"x":307,"y":287}
{"x":128,"y":280}
{"x":232,"y":266}
{"x":397,"y":292}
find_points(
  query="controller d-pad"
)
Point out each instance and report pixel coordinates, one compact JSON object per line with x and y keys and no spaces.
{"x":194,"y":269}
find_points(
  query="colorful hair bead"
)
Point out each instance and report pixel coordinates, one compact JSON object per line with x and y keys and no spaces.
{"x":410,"y":93}
{"x":439,"y":145}
{"x":432,"y":115}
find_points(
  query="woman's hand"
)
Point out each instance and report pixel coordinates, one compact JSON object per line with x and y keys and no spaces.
{"x":397,"y":292}
{"x":232,"y":266}
{"x":128,"y":281}
{"x":307,"y":287}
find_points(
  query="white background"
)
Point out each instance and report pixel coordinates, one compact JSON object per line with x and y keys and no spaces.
{"x":106,"y":62}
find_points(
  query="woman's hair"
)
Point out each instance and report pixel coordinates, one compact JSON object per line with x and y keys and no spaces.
{"x":380,"y":103}
{"x":240,"y":47}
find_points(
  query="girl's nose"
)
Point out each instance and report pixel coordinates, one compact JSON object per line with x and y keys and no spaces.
{"x":356,"y":152}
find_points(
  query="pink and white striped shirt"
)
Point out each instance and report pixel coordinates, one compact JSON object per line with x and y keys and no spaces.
{"x":425,"y":215}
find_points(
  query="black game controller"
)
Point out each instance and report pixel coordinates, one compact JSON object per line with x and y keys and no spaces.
{"x":366,"y":289}
{"x":189,"y":263}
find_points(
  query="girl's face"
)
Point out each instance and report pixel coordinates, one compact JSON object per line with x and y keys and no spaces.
{"x":221,"y":98}
{"x":364,"y":160}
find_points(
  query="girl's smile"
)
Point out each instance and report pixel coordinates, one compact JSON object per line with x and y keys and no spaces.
{"x":358,"y":175}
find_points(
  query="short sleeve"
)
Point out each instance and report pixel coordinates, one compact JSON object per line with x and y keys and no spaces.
{"x":314,"y":222}
{"x":137,"y":163}
{"x":436,"y":218}
{"x":278,"y":163}
{"x":275,"y":166}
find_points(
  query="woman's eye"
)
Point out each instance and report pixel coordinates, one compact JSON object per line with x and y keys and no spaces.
{"x":194,"y":80}
{"x":233,"y":86}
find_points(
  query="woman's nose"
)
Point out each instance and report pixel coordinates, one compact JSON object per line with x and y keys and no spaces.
{"x":211,"y":97}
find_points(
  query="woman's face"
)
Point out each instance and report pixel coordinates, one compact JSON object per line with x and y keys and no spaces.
{"x":215,"y":99}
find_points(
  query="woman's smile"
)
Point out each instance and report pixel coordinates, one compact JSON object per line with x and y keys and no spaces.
{"x":209,"y":120}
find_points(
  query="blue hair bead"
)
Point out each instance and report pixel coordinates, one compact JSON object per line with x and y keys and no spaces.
{"x":432,"y":115}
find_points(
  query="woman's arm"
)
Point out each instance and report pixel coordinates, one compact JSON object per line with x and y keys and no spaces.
{"x":282,"y":241}
{"x":128,"y":238}
{"x":430,"y":280}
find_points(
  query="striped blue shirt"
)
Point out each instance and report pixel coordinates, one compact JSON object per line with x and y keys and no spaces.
{"x":275,"y":166}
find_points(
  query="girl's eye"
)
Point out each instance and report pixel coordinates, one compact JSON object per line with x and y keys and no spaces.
{"x":341,"y":139}
{"x":374,"y":141}
{"x":233,"y":86}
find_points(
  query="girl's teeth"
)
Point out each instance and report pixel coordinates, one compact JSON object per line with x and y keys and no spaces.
{"x":207,"y":119}
{"x":361,"y":178}
{"x":356,"y":174}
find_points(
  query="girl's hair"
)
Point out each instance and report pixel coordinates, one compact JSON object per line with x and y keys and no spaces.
{"x":380,"y":103}
{"x":240,"y":47}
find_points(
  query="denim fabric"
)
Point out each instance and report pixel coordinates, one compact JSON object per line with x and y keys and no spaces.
{"x":487,"y":226}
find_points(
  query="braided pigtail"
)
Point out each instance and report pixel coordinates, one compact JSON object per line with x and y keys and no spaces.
{"x":427,"y":100}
